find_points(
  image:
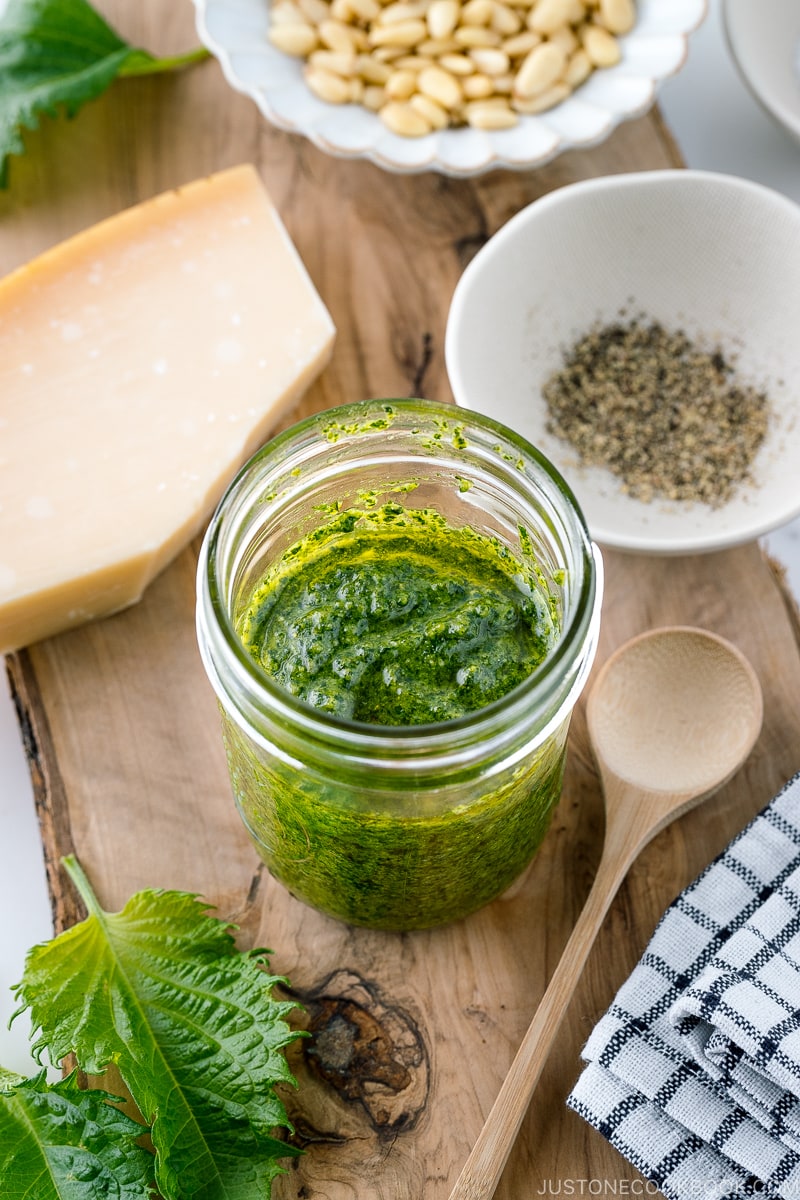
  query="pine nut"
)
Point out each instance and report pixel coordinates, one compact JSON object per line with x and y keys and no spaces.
{"x":388,"y":54}
{"x":374,"y":98}
{"x":399,"y":12}
{"x":469,"y":36}
{"x":314,"y":11}
{"x":545,"y":100}
{"x":329,"y":87}
{"x":504,"y":20}
{"x":372,"y":71}
{"x":336,"y":36}
{"x":329,"y":60}
{"x":457,"y":64}
{"x":564,"y":38}
{"x":433,"y":113}
{"x":441,"y":86}
{"x":477,"y":87}
{"x":286,"y":13}
{"x":297,"y":40}
{"x":521,"y":44}
{"x":411,"y":62}
{"x":618,"y":16}
{"x":579,"y":68}
{"x":443,"y":17}
{"x":403,"y":119}
{"x":490,"y":102}
{"x":401,"y":85}
{"x":356,"y":91}
{"x":490,"y":61}
{"x":342,"y":10}
{"x":403,"y":33}
{"x":601,"y":46}
{"x":540,"y":70}
{"x":503,"y":84}
{"x":549,"y":15}
{"x":485,"y":114}
{"x":477,"y":12}
{"x":365,"y":10}
{"x":435,"y":47}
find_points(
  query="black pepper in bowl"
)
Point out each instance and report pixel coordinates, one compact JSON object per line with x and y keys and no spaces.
{"x":668,"y":417}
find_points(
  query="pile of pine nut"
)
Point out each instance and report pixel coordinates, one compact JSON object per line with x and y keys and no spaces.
{"x":423,"y":65}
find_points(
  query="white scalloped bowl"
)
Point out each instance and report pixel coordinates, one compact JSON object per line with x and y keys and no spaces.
{"x":712,"y":254}
{"x":236,"y":32}
{"x":764,"y":41}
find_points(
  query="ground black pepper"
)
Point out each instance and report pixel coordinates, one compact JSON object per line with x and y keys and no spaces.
{"x":665,"y":415}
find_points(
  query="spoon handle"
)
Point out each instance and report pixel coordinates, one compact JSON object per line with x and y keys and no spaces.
{"x":484,"y":1166}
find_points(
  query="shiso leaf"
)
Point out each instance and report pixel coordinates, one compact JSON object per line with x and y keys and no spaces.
{"x":56,"y":55}
{"x":9,"y":1079}
{"x":160,"y":990}
{"x":58,"y":1142}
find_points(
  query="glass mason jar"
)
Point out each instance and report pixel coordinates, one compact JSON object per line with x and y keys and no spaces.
{"x":397,"y":827}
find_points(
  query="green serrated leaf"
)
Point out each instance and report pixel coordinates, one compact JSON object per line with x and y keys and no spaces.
{"x":58,"y":1142}
{"x":160,"y":990}
{"x":9,"y":1079}
{"x":56,"y":55}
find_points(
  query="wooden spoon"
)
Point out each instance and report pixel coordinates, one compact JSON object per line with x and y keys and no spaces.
{"x":672,"y":715}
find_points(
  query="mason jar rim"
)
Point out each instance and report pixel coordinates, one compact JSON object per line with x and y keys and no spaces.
{"x":217,"y":634}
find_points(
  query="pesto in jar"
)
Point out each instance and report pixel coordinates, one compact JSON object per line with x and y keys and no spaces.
{"x":391,"y":861}
{"x":387,"y":615}
{"x":394,"y":617}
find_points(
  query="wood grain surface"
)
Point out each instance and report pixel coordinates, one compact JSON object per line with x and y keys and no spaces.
{"x":121,"y":725}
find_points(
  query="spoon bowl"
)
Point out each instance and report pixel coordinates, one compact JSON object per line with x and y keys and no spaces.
{"x":672,"y":715}
{"x":675,"y":712}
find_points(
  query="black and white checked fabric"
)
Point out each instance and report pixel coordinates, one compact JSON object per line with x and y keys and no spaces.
{"x":694,"y":1071}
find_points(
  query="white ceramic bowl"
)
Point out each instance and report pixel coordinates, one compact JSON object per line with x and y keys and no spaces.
{"x":236,"y":31}
{"x":714,"y":255}
{"x":764,"y":40}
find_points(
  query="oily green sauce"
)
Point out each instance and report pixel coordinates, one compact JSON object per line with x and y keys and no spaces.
{"x":388,"y":615}
{"x":393,"y":617}
{"x":352,"y":852}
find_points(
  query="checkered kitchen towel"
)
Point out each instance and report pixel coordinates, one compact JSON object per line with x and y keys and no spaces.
{"x":694,"y":1071}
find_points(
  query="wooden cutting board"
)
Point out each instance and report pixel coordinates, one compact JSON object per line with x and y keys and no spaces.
{"x":121,"y":725}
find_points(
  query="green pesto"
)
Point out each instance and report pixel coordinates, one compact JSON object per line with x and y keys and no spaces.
{"x":446,"y":431}
{"x":349,"y":849}
{"x":332,"y":431}
{"x":387,"y":614}
{"x":390,"y":616}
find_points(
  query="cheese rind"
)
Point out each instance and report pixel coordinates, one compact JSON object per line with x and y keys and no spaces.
{"x":140,"y":363}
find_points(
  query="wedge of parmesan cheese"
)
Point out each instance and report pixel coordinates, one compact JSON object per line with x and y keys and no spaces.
{"x":140,"y":363}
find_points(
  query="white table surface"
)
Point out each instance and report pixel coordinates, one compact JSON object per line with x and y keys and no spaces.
{"x":719,"y":127}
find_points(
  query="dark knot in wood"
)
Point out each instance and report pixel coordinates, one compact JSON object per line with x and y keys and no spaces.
{"x":368,"y":1048}
{"x":351,"y":1049}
